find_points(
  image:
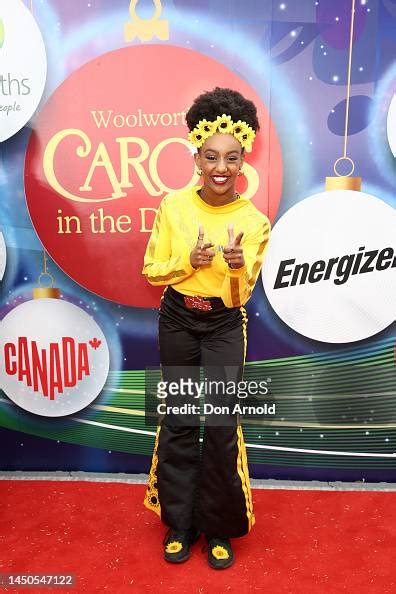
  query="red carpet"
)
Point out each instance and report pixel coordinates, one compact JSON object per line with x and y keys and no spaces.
{"x":303,"y":541}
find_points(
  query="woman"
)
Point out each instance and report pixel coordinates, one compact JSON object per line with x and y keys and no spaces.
{"x":207,"y":247}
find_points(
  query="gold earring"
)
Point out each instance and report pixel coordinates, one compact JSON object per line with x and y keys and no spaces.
{"x":241,"y":172}
{"x":199,"y":171}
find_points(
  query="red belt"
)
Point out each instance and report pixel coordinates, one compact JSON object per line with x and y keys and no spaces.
{"x":197,"y":302}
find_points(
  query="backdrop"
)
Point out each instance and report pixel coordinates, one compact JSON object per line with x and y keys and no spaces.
{"x":93,"y":97}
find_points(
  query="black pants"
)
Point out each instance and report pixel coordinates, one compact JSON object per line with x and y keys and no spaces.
{"x":187,"y":487}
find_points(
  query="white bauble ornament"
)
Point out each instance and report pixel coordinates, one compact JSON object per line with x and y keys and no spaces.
{"x":391,"y":125}
{"x":54,"y":357}
{"x":3,"y":256}
{"x":23,"y":65}
{"x":330,"y":268}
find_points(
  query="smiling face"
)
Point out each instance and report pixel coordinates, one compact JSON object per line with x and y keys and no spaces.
{"x":220,"y":159}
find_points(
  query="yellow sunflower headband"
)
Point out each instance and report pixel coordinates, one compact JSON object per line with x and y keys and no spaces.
{"x":224,"y":124}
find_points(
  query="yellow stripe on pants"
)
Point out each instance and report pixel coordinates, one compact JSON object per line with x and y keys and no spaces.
{"x":151,"y":499}
{"x":243,"y":472}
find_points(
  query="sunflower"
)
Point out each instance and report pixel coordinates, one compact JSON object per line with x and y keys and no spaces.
{"x":238,"y":128}
{"x":174,"y":547}
{"x":220,"y":552}
{"x":224,"y":124}
{"x":196,"y":137}
{"x":245,"y":134}
{"x":207,"y":128}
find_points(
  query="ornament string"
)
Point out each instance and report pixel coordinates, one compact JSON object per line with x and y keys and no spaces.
{"x":344,"y":157}
{"x":45,"y":271}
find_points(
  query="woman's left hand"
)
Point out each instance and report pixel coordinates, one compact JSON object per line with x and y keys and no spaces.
{"x":233,"y":252}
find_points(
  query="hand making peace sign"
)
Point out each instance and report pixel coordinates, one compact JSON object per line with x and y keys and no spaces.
{"x":233,"y":252}
{"x":201,"y":255}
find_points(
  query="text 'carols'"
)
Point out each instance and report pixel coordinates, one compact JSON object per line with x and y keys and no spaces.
{"x":120,"y":180}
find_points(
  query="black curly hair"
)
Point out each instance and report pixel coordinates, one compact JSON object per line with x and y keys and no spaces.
{"x":214,"y":103}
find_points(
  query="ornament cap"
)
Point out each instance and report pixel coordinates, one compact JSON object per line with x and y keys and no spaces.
{"x":343,"y":182}
{"x":49,"y":292}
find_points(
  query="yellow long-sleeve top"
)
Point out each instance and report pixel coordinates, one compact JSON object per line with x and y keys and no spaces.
{"x":174,"y":236}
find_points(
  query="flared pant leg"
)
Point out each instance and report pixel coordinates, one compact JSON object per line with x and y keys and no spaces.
{"x":177,"y":456}
{"x":224,"y":505}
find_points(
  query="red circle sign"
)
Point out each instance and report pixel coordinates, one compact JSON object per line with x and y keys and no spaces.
{"x":109,"y":144}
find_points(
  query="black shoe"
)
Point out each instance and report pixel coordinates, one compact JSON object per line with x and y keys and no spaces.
{"x":177,"y":544}
{"x":220,"y":554}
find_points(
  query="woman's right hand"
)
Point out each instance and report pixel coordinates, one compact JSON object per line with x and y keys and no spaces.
{"x":201,"y":255}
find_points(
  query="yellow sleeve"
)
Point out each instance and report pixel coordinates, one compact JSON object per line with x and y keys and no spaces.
{"x":239,"y":283}
{"x":161,"y":267}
